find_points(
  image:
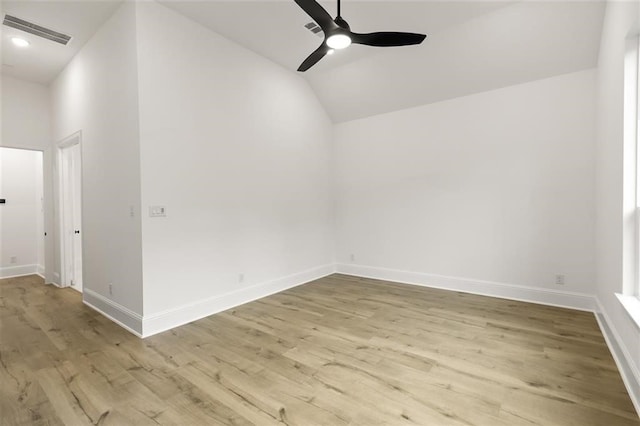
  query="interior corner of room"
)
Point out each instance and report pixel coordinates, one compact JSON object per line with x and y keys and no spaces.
{"x":167,"y":184}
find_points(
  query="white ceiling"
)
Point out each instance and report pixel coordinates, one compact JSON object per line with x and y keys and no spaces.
{"x":275,"y":29}
{"x":472,"y":46}
{"x":511,"y":45}
{"x":44,"y":59}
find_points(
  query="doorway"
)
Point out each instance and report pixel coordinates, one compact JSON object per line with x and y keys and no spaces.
{"x":70,"y":167}
{"x":22,"y":227}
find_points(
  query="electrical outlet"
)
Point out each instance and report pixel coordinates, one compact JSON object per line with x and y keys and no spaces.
{"x":240,"y":278}
{"x":110,"y":289}
{"x":352,"y":257}
{"x":13,"y":259}
{"x":560,"y":279}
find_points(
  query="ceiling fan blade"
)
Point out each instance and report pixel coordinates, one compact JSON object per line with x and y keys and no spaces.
{"x":387,"y":39}
{"x":314,"y":57}
{"x":318,"y":14}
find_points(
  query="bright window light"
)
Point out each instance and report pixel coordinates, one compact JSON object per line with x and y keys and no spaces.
{"x":630,"y":297}
{"x":20,"y":42}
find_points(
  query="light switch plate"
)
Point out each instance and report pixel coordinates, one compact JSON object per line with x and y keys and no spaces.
{"x":157,"y":211}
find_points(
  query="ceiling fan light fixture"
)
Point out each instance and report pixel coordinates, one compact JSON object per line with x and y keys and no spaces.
{"x":338,"y":34}
{"x":338,"y":41}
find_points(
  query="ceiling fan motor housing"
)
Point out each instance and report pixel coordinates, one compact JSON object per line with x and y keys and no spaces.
{"x":342,"y":23}
{"x":342,"y":28}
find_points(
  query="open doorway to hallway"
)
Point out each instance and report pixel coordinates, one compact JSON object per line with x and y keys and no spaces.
{"x":22,"y":229}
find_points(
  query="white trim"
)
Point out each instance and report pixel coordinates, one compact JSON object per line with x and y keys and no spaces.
{"x":55,"y":281}
{"x":622,"y":357}
{"x":40,"y":270}
{"x":564,"y":299}
{"x":185,"y":314}
{"x":631,"y":304}
{"x":123,"y":316}
{"x":18,"y":271}
{"x":71,"y":140}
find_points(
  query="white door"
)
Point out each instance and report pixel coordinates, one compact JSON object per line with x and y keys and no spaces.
{"x":71,"y":209}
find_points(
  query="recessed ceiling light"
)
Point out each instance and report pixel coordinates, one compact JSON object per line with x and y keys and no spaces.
{"x":331,"y":51}
{"x":20,"y":42}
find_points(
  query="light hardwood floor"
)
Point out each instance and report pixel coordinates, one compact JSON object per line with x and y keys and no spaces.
{"x":340,"y":350}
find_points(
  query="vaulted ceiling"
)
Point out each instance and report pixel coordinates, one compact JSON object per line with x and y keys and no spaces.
{"x":472,"y":46}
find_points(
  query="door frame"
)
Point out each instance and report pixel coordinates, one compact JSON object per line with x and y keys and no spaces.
{"x":44,"y":210}
{"x":71,"y":140}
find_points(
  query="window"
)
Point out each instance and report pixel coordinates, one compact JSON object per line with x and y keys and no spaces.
{"x":630,"y":297}
{"x":631,"y":127}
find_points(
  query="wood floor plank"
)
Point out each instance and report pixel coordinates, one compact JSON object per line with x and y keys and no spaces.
{"x":337,"y":351}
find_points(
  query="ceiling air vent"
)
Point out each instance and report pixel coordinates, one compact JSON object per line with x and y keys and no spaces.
{"x":314,"y":28}
{"x":31,"y":28}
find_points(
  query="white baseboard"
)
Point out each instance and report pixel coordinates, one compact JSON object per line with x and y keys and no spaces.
{"x":117,"y":313}
{"x":185,"y":314}
{"x":18,"y":271}
{"x":628,"y":371}
{"x":153,"y":324}
{"x":564,"y":299}
{"x":40,"y":270}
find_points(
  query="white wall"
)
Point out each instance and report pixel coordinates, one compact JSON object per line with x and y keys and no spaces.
{"x":21,"y":217}
{"x":237,"y":149}
{"x":496,"y":186}
{"x":26,"y":121}
{"x":97,"y":94}
{"x":621,"y":18}
{"x":26,"y":124}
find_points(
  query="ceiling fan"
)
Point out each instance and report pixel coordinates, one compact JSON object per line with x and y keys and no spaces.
{"x":338,"y":34}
